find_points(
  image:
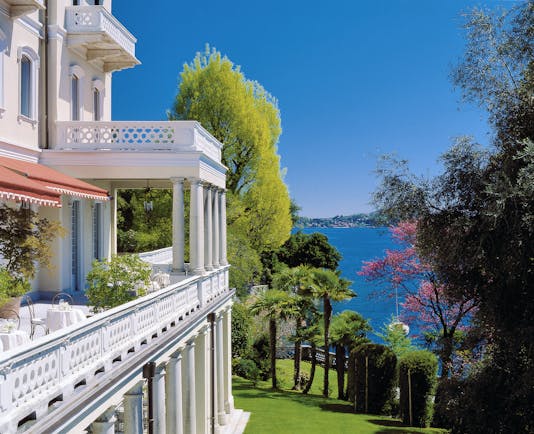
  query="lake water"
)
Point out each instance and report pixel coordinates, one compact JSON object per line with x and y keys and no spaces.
{"x":357,"y":245}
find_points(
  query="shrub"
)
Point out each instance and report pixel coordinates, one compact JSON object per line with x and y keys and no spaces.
{"x":112,"y":283}
{"x":11,"y":286}
{"x":241,"y":331}
{"x":421,"y":367}
{"x":381,"y":378}
{"x":246,"y":368}
{"x":262,"y":356}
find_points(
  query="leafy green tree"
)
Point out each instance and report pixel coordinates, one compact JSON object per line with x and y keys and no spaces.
{"x":309,"y":249}
{"x":328,"y":287}
{"x":396,"y":338}
{"x":115,"y":282}
{"x":348,"y":330}
{"x":245,"y":118}
{"x":275,"y":305}
{"x":25,"y":240}
{"x":476,"y":219}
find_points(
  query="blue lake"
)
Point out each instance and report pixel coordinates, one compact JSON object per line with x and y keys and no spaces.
{"x":357,"y":245}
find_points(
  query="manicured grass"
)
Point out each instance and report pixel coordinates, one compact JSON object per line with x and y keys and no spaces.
{"x":290,"y":412}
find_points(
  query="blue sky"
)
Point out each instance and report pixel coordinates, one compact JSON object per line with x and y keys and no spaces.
{"x":354,"y":80}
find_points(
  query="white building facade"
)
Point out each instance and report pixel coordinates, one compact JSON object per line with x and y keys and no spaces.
{"x":61,"y":153}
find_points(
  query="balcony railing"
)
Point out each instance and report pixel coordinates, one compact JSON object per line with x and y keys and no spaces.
{"x":99,"y":37}
{"x":50,"y":368}
{"x":18,"y":8}
{"x":173,"y":136}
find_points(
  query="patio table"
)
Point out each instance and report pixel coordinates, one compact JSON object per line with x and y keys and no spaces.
{"x":60,"y":317}
{"x":10,"y":339}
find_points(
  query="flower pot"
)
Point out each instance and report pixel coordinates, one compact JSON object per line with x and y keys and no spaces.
{"x":10,"y":306}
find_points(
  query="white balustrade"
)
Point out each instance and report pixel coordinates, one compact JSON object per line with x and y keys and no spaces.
{"x":34,"y":375}
{"x":180,"y":136}
{"x":92,"y":19}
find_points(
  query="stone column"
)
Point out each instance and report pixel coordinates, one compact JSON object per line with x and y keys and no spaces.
{"x":202,"y":382}
{"x":216,"y":229}
{"x":220,"y":372}
{"x":189,"y":403}
{"x":208,"y":230}
{"x":223,"y":260}
{"x":158,"y":396}
{"x":173,"y":394}
{"x":227,"y":338}
{"x":105,"y":424}
{"x":178,"y":237}
{"x":133,"y":410}
{"x":196,"y":228}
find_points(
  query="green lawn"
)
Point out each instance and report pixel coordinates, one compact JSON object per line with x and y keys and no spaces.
{"x":289,"y":412}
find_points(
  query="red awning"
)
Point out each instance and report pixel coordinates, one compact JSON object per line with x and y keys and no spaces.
{"x":53,"y":180}
{"x":18,"y":188}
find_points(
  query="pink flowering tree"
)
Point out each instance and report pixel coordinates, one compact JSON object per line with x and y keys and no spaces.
{"x":402,"y":272}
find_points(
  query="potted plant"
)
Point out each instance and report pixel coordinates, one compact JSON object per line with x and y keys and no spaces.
{"x":12,"y":288}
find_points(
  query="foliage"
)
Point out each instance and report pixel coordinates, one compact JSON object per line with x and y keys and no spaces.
{"x":140,"y":230}
{"x":426,"y":302}
{"x":380,"y":377}
{"x":112,"y":283}
{"x":261,"y":354}
{"x":275,"y":305}
{"x":313,"y":250}
{"x":246,"y":264}
{"x":241,"y":330}
{"x":11,"y":286}
{"x":347,"y":331}
{"x":246,"y":368}
{"x":25,"y":240}
{"x":395,"y":338}
{"x":328,"y":286}
{"x":417,"y":370}
{"x":475,"y":220}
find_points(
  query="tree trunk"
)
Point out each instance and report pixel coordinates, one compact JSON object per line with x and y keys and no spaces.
{"x":340,"y":368}
{"x":272,"y":346}
{"x":327,"y":317}
{"x":312,"y":369}
{"x":297,"y":356}
{"x":446,"y":355}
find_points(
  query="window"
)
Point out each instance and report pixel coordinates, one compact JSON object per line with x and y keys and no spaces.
{"x":3,"y":46}
{"x":75,"y":98}
{"x":76,"y":86}
{"x":97,"y":115}
{"x":28,"y":72}
{"x":75,"y":245}
{"x":98,"y":94}
{"x":97,"y":231}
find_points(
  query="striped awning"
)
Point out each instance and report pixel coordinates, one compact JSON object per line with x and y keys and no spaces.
{"x":20,"y":189}
{"x":52,"y":180}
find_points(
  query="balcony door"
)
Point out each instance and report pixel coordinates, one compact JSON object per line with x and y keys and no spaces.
{"x":75,"y":246}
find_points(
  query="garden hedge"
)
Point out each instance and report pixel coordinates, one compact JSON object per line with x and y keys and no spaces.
{"x":422,"y":368}
{"x":381,"y":378}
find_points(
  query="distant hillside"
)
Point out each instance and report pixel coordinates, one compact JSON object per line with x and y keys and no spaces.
{"x":340,"y":221}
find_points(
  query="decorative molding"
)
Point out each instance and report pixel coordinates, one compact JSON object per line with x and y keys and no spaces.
{"x":32,"y":25}
{"x":22,"y":118}
{"x":76,"y":70}
{"x":55,"y":31}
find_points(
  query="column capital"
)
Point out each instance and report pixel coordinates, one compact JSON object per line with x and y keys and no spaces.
{"x":177,"y":179}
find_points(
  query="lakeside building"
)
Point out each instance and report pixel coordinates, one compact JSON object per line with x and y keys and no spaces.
{"x":62,"y":155}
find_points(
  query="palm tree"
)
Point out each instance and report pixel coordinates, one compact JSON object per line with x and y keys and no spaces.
{"x":347,"y":331}
{"x":328,"y":286}
{"x":314,"y":335}
{"x":297,"y":281}
{"x":275,"y":305}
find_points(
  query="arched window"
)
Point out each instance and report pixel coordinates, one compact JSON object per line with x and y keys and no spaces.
{"x":28,"y":75}
{"x":76,"y":103}
{"x":3,"y":47}
{"x":98,"y":93}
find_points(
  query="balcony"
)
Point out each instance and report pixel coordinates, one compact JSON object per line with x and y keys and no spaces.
{"x":137,"y":136}
{"x":18,"y":8}
{"x":96,"y":35}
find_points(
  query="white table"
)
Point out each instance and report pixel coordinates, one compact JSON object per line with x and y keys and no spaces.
{"x":13,"y":339}
{"x":57,"y":318}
